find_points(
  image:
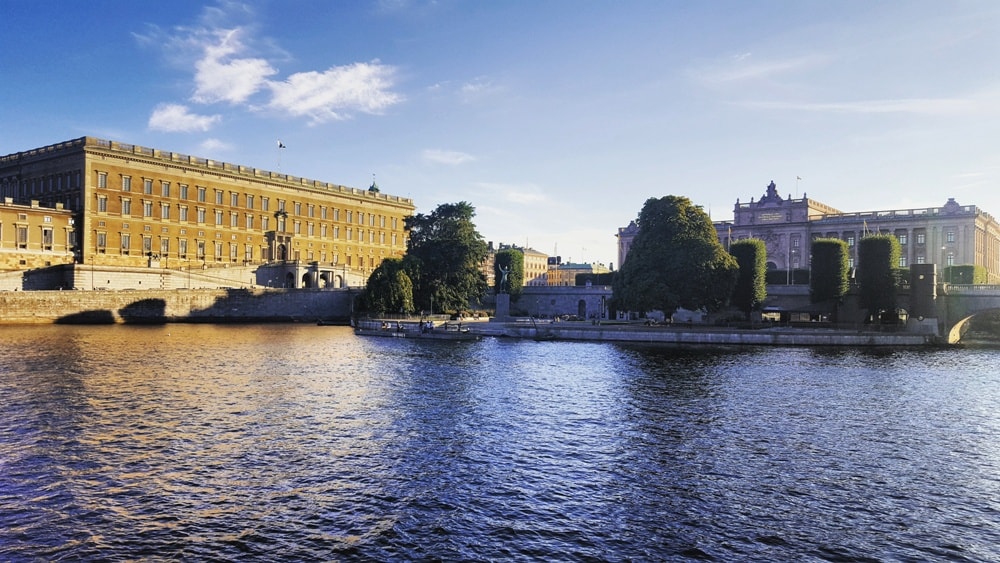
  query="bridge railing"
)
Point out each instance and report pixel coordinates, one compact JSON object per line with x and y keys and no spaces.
{"x":972,"y":289}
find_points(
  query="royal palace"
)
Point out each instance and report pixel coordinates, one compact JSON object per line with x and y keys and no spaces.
{"x":140,"y":213}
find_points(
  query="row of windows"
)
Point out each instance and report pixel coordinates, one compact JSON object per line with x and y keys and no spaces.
{"x":222,"y":250}
{"x":250,"y":201}
{"x":13,"y":187}
{"x":250,"y":221}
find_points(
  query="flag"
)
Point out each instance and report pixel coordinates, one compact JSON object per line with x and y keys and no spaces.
{"x":798,"y":177}
{"x":280,"y":144}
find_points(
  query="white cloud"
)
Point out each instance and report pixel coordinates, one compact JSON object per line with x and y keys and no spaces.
{"x":331,"y":95}
{"x":226,"y":69}
{"x":220,"y":76}
{"x":177,"y":118}
{"x":447,"y":157}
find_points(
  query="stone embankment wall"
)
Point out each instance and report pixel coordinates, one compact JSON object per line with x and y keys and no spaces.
{"x":157,"y":306}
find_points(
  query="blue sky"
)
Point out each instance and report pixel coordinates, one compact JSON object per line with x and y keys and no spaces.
{"x":556,"y":120}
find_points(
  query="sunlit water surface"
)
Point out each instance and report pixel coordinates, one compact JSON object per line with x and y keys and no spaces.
{"x":236,"y":443}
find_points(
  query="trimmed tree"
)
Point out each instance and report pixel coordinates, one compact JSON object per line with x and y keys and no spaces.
{"x":675,"y":261}
{"x":830,"y":272}
{"x":751,"y":285}
{"x":389,"y":289}
{"x":510,"y":260}
{"x":443,"y":257}
{"x":877,"y":258}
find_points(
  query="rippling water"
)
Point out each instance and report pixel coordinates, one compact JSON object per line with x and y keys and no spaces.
{"x":235,"y":443}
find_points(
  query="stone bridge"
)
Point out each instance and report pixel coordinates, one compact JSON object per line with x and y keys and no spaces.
{"x":957,"y":304}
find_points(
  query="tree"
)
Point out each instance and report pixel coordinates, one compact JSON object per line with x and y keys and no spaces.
{"x":389,"y":289}
{"x":675,"y":260}
{"x":511,"y":260}
{"x":877,"y":256}
{"x":829,"y":281}
{"x":751,"y":286}
{"x":444,"y":257}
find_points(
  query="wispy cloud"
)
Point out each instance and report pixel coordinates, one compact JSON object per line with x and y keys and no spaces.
{"x":222,"y":76}
{"x":334,"y":93}
{"x":447,"y":157}
{"x":176,"y":118}
{"x":922,"y":106}
{"x":214,"y":145}
{"x":230,"y":65}
{"x":745,"y":67}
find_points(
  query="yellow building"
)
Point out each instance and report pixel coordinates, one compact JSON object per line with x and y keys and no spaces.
{"x":565,"y":274}
{"x":33,"y":237}
{"x":139,"y":207}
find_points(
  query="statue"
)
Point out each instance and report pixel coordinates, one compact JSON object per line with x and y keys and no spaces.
{"x":503,"y":288}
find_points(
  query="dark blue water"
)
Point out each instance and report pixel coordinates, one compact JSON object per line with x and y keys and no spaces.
{"x":278,"y":442}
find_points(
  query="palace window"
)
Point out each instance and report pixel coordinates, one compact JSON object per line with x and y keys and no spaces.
{"x":950,"y":236}
{"x":298,"y":208}
{"x":126,"y":183}
{"x":164,"y":247}
{"x":164,"y":211}
{"x":921,"y":238}
{"x":218,"y":217}
{"x":182,"y":211}
{"x":102,"y":179}
{"x":184,"y":191}
{"x":147,"y":186}
{"x":249,"y":201}
{"x":46,"y":239}
{"x":126,"y":207}
{"x":202,"y":193}
{"x":902,"y":238}
{"x":102,"y":242}
{"x":182,"y":247}
{"x":147,"y":245}
{"x":265,"y":204}
{"x":147,"y":209}
{"x":902,"y":261}
{"x":234,"y":199}
{"x":234,"y":219}
{"x":218,"y":251}
{"x":165,"y":189}
{"x":201,"y":214}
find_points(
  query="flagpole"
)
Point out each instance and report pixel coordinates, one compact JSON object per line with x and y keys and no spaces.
{"x":280,"y":147}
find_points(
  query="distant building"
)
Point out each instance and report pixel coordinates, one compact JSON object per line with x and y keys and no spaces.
{"x":950,"y":235}
{"x":535,"y":264}
{"x":137,"y":207}
{"x":565,"y":274}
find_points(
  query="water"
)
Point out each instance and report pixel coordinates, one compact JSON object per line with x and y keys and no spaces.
{"x":286,"y":442}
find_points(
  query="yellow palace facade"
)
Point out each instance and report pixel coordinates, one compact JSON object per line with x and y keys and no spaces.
{"x":137,"y":207}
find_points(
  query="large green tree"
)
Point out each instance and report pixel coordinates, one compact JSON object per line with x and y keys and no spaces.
{"x":510,"y":260}
{"x":444,"y":257}
{"x":675,"y":260}
{"x":389,"y":289}
{"x":751,"y":285}
{"x":877,"y":258}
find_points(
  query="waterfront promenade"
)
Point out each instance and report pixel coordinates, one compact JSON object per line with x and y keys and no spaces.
{"x":700,"y":334}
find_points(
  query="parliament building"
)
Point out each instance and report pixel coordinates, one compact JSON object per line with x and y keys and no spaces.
{"x":950,"y":235}
{"x":110,"y":205}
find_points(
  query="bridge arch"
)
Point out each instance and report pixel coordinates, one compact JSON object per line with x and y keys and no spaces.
{"x":955,"y":332}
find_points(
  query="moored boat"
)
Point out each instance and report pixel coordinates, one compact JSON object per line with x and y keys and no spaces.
{"x":427,"y":330}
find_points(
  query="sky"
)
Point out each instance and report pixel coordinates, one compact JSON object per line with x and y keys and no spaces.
{"x":555,"y":119}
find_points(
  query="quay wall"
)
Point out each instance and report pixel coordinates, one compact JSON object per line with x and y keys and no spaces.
{"x":161,"y":306}
{"x":717,"y":337}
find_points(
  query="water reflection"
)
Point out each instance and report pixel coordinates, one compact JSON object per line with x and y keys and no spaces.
{"x":303,"y":442}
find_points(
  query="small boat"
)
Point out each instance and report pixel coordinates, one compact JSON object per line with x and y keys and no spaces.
{"x":426,"y":330}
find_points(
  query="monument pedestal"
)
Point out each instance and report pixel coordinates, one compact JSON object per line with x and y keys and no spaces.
{"x":503,"y":307}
